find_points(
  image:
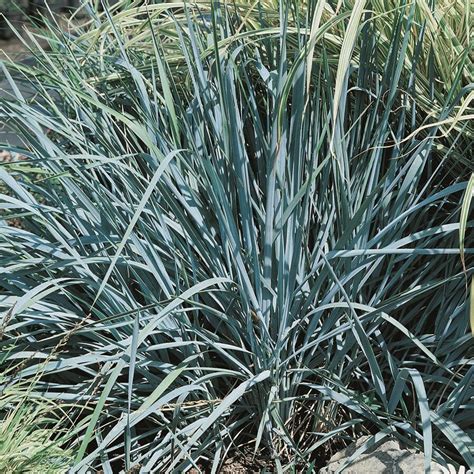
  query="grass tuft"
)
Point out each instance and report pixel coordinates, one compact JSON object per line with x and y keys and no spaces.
{"x":235,"y":249}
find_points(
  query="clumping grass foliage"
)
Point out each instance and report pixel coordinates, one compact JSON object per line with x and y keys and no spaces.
{"x":31,"y":434}
{"x":245,"y":244}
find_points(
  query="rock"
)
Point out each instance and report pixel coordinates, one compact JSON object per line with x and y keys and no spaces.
{"x":386,"y":458}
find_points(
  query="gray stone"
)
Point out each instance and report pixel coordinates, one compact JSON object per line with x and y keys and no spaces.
{"x":385,"y":458}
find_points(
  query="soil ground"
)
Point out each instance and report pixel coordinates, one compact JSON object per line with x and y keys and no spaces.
{"x":13,"y":48}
